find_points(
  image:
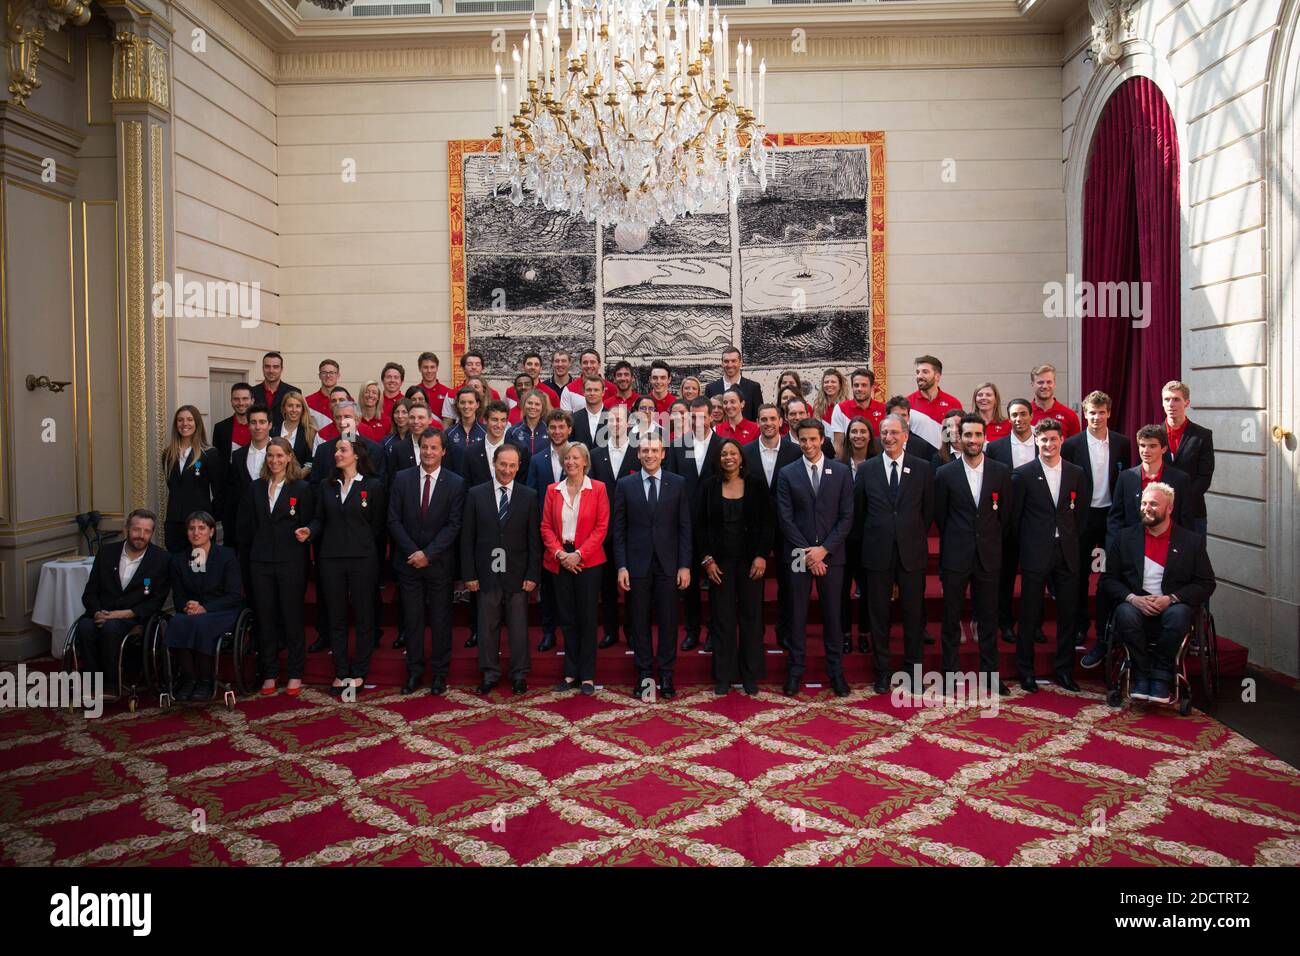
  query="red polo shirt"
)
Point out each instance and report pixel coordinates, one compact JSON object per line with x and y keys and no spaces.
{"x":995,"y":430}
{"x":1157,"y":546}
{"x":512,"y":395}
{"x":874,"y":412}
{"x":239,"y":436}
{"x":319,"y":401}
{"x":662,"y":405}
{"x":611,"y":390}
{"x":1062,"y":413}
{"x":629,"y":402}
{"x":744,"y":433}
{"x":1145,"y":480}
{"x":1175,"y":435}
{"x":934,"y":408}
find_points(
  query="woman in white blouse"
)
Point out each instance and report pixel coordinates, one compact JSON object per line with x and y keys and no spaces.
{"x":297,"y":427}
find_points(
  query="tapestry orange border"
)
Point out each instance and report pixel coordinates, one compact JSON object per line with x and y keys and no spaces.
{"x":874,"y":140}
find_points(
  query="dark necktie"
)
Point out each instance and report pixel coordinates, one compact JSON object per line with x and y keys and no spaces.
{"x":424,"y":497}
{"x":815,"y":477}
{"x":653,"y":497}
{"x":503,"y":510}
{"x":893,"y":480}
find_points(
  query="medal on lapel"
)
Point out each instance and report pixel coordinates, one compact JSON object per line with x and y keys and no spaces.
{"x":146,"y":587}
{"x":1073,"y":495}
{"x":995,"y":500}
{"x":198,"y":467}
{"x":293,"y":504}
{"x":364,"y":502}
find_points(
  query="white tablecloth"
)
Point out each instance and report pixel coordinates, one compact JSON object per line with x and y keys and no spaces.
{"x":58,"y":598}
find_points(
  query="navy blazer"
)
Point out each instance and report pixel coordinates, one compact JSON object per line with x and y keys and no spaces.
{"x":821,"y":520}
{"x":641,"y":536}
{"x":198,"y":488}
{"x":104,"y":592}
{"x":218,"y":587}
{"x":1075,"y":449}
{"x":1125,"y":503}
{"x":435,"y":534}
{"x":1195,"y":459}
{"x":1188,"y":572}
{"x":887,"y":523}
{"x":540,"y":475}
{"x":477,"y":469}
{"x":602,"y":469}
{"x":970,"y":532}
{"x":1036,"y":520}
{"x":680,"y":460}
{"x":351,"y":528}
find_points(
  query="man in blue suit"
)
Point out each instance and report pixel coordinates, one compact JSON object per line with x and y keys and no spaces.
{"x":543,"y":471}
{"x":651,"y":530}
{"x":814,"y":506}
{"x":425,"y":510}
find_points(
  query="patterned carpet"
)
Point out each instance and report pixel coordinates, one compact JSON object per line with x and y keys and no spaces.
{"x":550,"y":779}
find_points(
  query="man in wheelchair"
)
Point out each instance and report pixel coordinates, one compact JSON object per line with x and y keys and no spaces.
{"x":128,"y":584}
{"x":1158,"y":575}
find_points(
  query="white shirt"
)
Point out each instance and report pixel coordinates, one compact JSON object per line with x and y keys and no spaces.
{"x":573,"y":402}
{"x":433,"y":486}
{"x":616,"y":455}
{"x":1022,"y":452}
{"x":974,"y":478}
{"x":887,"y":463}
{"x":557,"y":465}
{"x":569,"y":512}
{"x":274,"y":492}
{"x":491,"y":449}
{"x":1099,"y":459}
{"x":346,"y":486}
{"x":182,"y":458}
{"x":700,"y":450}
{"x":255,"y":458}
{"x":127,"y":565}
{"x":593,"y":422}
{"x":769,"y":456}
{"x":1153,"y":576}
{"x":1053,"y":476}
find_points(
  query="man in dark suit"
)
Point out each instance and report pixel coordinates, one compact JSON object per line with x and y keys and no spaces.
{"x":588,"y":420}
{"x":272,"y":388}
{"x":501,"y":560}
{"x":814,"y":507}
{"x":543,"y":471}
{"x":1191,"y":451}
{"x":972,"y":507}
{"x":128,"y":584}
{"x":1125,"y":508}
{"x":479,"y":459}
{"x":694,"y":459}
{"x":1157,"y":575}
{"x":609,"y":462}
{"x":245,"y":468}
{"x":651,"y":531}
{"x":895,"y":492}
{"x":425,"y":511}
{"x":231,"y":433}
{"x":1102,"y":454}
{"x":796,"y":410}
{"x":404,"y":453}
{"x":346,"y":415}
{"x":1049,"y":502}
{"x":767,"y":455}
{"x":732,"y":380}
{"x":1014,"y":449}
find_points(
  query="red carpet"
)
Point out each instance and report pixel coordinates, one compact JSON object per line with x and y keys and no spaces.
{"x":549,"y":779}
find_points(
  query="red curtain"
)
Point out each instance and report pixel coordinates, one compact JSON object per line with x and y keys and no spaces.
{"x":1131,"y":234}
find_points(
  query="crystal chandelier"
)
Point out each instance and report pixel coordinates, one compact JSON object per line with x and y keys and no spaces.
{"x":630,"y":113}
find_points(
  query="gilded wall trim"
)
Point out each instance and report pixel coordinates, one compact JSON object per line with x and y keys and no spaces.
{"x":26,"y":23}
{"x":117,"y":325}
{"x":157,"y":246}
{"x":140,"y":71}
{"x":137,"y":312}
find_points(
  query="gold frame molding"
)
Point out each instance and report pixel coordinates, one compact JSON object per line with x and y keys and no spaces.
{"x":140,"y":71}
{"x":26,"y":23}
{"x":117,"y":327}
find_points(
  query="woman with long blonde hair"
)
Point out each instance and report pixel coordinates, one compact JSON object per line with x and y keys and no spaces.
{"x":372,"y":423}
{"x":195,"y":474}
{"x":296,"y":427}
{"x":835,"y":389}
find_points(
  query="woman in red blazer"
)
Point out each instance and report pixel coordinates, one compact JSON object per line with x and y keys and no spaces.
{"x":575,"y":518}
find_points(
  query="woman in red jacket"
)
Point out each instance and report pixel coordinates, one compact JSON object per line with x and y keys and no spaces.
{"x":575,"y":518}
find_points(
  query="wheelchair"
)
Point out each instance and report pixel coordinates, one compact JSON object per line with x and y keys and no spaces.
{"x":236,"y":646}
{"x":1200,"y":643}
{"x":134,"y":659}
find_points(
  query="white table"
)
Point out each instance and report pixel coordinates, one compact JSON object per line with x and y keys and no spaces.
{"x":58,"y":598}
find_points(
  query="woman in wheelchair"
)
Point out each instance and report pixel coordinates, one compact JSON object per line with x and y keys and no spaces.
{"x":207,"y":596}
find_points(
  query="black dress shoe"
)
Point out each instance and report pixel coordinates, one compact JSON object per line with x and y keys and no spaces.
{"x":318,"y":645}
{"x":1066,"y":682}
{"x":666,"y":689}
{"x":399,"y":642}
{"x":928,"y":638}
{"x":411,"y":686}
{"x":565,"y":685}
{"x":546,"y":643}
{"x":791,"y":686}
{"x":708,"y":645}
{"x":848,"y":645}
{"x":692,"y":641}
{"x":881,"y":684}
{"x":751,"y":689}
{"x":721,"y":689}
{"x":185,"y":689}
{"x":1040,"y":637}
{"x":840,"y":686}
{"x":588,"y":689}
{"x":1008,"y":635}
{"x":864,"y":644}
{"x":519,"y":687}
{"x":202,"y":690}
{"x":782,"y":643}
{"x":485,"y":687}
{"x":471,"y":641}
{"x":439,"y":686}
{"x":609,"y":640}
{"x":1029,"y":685}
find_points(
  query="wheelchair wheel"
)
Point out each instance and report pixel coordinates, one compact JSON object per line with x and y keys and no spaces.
{"x":156,"y":660}
{"x":1185,"y":705}
{"x":1113,"y":697}
{"x":1208,"y":641}
{"x":243,"y":654}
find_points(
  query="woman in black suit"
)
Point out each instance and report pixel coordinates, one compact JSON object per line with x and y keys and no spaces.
{"x":297,"y":428}
{"x":350,"y":517}
{"x":207,"y":593}
{"x":274,"y":519}
{"x":733,"y":534}
{"x":195,"y":473}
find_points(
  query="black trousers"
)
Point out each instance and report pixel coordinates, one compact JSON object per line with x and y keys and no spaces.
{"x":854,"y":570}
{"x":278,"y":591}
{"x":497,"y":607}
{"x":426,"y":602}
{"x":736,"y":606}
{"x":549,"y":613}
{"x":575,"y":604}
{"x":609,"y":599}
{"x":1153,"y":641}
{"x":657,"y":591}
{"x":350,"y":582}
{"x":322,"y":610}
{"x":691,"y":604}
{"x":1032,"y":583}
{"x":911,"y":601}
{"x":1093,"y":536}
{"x":829,"y":595}
{"x":781,"y":560}
{"x":984,"y":597}
{"x":99,"y":645}
{"x":1007,"y":582}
